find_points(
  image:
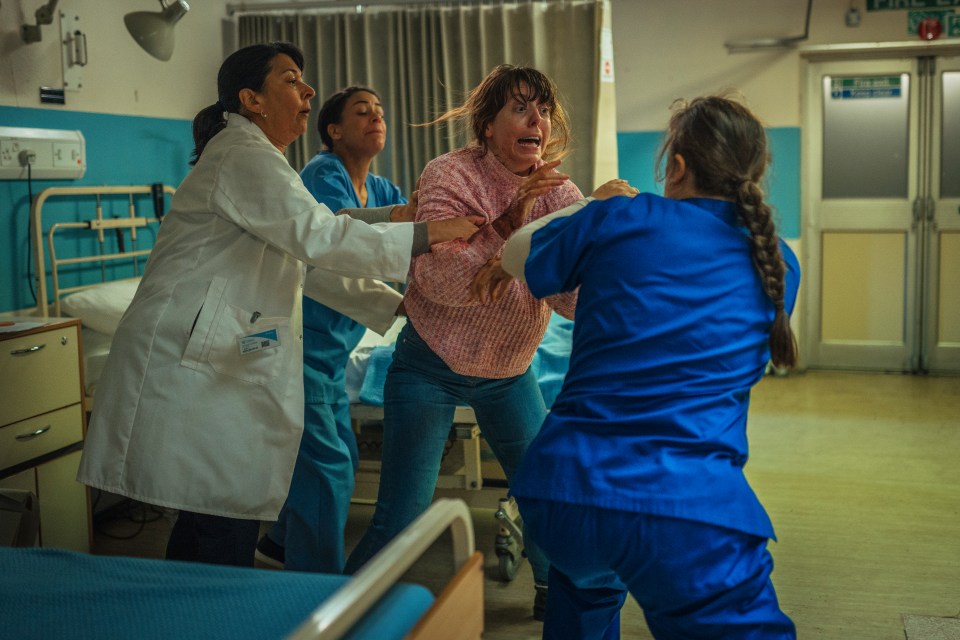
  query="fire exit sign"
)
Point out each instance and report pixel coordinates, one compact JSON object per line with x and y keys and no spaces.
{"x":885,"y":5}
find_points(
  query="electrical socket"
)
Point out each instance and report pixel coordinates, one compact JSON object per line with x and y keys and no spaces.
{"x":51,"y":154}
{"x":27,"y":157}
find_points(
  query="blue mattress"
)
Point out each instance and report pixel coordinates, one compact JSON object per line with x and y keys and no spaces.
{"x":51,"y":593}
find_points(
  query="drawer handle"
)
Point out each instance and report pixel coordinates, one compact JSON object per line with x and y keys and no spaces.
{"x":35,"y":434}
{"x":20,"y":352}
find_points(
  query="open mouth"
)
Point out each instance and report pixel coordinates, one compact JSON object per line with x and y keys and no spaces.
{"x":530,"y":141}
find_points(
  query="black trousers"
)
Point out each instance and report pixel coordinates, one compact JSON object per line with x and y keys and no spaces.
{"x":197,"y":537}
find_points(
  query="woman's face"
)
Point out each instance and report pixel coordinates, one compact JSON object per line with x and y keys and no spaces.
{"x":519,"y":133}
{"x":282,"y":108}
{"x":362,"y":131}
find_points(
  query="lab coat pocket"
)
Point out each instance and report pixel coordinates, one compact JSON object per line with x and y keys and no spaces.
{"x":201,"y":332}
{"x":248,"y":346}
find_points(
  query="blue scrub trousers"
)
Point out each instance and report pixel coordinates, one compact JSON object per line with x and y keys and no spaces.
{"x":311,"y":524}
{"x":692,"y":580}
{"x":420,"y":397}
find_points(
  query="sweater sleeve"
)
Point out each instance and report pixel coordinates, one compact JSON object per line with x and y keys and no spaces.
{"x":448,"y":189}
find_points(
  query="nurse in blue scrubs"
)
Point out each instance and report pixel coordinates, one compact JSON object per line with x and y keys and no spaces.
{"x":635,"y":483}
{"x":308,"y":535}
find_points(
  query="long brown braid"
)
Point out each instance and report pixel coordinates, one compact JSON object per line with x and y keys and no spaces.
{"x":725,"y":147}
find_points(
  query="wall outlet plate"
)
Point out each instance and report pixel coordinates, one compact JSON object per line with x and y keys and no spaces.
{"x":56,"y":154}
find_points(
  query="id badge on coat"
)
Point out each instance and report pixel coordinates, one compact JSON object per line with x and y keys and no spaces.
{"x":268,"y":338}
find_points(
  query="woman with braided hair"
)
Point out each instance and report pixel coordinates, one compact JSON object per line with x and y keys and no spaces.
{"x":635,"y":482}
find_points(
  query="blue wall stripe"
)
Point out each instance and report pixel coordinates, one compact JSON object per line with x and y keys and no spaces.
{"x":637,"y":151}
{"x":121,"y":150}
{"x":124,"y":150}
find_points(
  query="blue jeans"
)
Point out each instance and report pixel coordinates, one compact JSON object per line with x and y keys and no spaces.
{"x":692,"y":580}
{"x":420,"y":397}
{"x":311,"y":524}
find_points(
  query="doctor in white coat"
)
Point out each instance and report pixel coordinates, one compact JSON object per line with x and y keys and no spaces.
{"x":200,"y":406}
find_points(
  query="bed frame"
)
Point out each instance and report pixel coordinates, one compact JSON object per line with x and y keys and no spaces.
{"x":464,"y":431}
{"x":55,"y":592}
{"x":97,"y":223}
{"x":458,"y":607}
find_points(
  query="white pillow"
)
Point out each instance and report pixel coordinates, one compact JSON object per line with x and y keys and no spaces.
{"x":100,"y":307}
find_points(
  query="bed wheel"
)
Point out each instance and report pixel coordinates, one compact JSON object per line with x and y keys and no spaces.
{"x":509,"y":555}
{"x":509,"y":542}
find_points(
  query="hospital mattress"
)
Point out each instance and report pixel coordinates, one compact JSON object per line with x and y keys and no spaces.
{"x":96,"y":348}
{"x":52,"y":593}
{"x":100,"y":308}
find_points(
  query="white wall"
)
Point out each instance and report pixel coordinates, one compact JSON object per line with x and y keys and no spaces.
{"x":663,"y":49}
{"x":120,"y":77}
{"x":667,"y":49}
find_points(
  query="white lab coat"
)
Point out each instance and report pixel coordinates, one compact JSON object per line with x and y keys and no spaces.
{"x":182,"y":419}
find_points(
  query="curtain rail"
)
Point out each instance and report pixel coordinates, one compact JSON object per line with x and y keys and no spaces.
{"x":249,"y":7}
{"x":246,"y":7}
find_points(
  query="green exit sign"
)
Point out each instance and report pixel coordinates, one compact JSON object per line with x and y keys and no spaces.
{"x":888,"y":5}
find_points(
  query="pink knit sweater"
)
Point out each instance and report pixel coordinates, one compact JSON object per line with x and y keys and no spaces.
{"x":482,"y":340}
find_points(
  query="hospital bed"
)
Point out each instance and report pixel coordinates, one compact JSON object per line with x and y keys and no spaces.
{"x":50,"y":593}
{"x":108,"y":239}
{"x":111,"y":251}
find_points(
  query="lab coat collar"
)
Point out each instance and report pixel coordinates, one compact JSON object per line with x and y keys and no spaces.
{"x":238,"y":121}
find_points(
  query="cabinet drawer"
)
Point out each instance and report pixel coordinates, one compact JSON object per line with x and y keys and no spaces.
{"x":40,"y":372}
{"x":57,"y":429}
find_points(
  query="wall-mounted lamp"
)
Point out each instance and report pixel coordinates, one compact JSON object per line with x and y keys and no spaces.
{"x":44,"y":15}
{"x":755,"y":44}
{"x":154,"y":30}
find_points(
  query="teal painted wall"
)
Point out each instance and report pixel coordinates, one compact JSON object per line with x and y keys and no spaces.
{"x":121,"y":150}
{"x":126,"y":150}
{"x":638,"y":150}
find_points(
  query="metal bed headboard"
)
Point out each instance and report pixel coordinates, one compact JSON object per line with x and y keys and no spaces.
{"x":98,"y":223}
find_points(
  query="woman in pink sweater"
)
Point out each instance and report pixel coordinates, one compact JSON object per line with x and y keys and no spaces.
{"x":455,"y":350}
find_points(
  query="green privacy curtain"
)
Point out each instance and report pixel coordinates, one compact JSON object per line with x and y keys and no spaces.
{"x":423,"y":58}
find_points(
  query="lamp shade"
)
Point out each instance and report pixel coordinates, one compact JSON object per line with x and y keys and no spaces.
{"x":154,"y":30}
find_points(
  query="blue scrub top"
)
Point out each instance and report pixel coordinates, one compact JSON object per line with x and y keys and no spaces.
{"x":329,"y":336}
{"x":671,"y":332}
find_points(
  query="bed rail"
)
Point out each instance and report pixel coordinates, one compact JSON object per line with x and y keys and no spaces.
{"x":348,"y":605}
{"x":98,"y":224}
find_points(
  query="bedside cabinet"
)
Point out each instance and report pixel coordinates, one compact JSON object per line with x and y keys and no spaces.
{"x":42,"y":425}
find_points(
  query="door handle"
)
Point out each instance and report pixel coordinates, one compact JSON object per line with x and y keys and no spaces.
{"x":33,"y":349}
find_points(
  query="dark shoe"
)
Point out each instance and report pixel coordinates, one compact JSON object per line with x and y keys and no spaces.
{"x":269,"y":553}
{"x":540,"y":602}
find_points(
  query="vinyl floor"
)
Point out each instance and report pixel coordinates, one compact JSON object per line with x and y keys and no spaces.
{"x":859,"y":473}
